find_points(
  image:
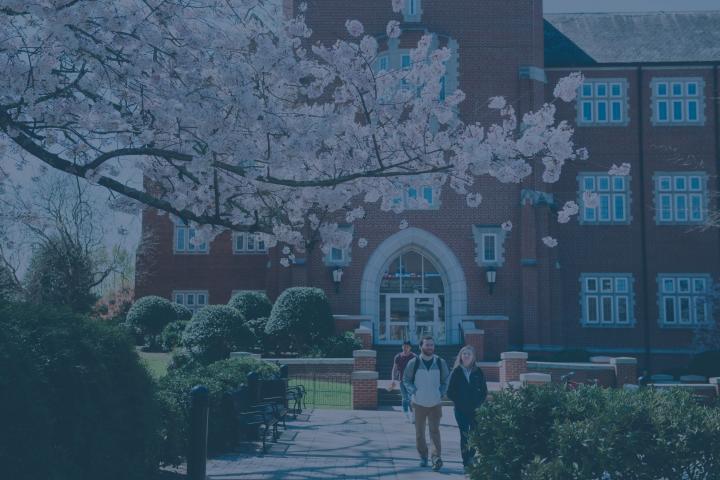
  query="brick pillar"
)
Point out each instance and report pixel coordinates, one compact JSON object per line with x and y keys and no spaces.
{"x":716,"y":381}
{"x":475,"y":338}
{"x":625,"y":370}
{"x":364,"y":390}
{"x":535,"y":379}
{"x":364,"y":334}
{"x":364,"y":360}
{"x":512,"y":365}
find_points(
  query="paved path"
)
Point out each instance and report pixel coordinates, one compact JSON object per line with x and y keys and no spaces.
{"x":344,"y":444}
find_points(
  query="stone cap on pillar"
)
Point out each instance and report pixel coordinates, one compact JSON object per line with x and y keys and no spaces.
{"x":535,"y":377}
{"x":364,"y":375}
{"x":714,"y":380}
{"x":623,"y":361}
{"x":364,"y":330}
{"x":513,"y":355}
{"x":364,"y":353}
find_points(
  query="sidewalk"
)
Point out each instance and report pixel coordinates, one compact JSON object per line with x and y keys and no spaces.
{"x":344,"y":444}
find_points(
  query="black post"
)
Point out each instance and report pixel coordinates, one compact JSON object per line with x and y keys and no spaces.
{"x":284,"y":371}
{"x":253,"y":383}
{"x":199,"y":411}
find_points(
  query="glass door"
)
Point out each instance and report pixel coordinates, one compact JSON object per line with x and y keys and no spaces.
{"x":398,"y":318}
{"x":424,"y":317}
{"x":410,"y":317}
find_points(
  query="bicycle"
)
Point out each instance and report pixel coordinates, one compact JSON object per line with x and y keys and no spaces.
{"x":574,"y":385}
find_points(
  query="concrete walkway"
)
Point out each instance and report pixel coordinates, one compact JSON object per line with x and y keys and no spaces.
{"x":344,"y":444}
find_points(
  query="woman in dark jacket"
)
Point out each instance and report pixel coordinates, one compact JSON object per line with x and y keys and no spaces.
{"x":468,"y":391}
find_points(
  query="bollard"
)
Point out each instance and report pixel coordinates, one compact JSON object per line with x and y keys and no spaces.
{"x":253,"y":383}
{"x":199,"y":411}
{"x":284,"y":371}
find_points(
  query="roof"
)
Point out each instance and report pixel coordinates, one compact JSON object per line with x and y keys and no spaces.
{"x":581,"y":39}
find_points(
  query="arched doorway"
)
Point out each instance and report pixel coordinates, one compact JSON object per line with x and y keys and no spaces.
{"x":413,"y":285}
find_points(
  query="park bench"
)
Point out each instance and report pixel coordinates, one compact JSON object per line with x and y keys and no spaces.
{"x":255,"y":420}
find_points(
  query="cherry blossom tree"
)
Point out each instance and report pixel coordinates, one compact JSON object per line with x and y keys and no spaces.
{"x":237,"y":121}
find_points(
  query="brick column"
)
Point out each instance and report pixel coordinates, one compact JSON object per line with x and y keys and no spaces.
{"x":625,"y":370}
{"x":364,"y":334}
{"x":535,"y":379}
{"x":512,"y":364}
{"x":716,"y":381}
{"x":364,"y":360}
{"x":475,"y":338}
{"x":364,"y":390}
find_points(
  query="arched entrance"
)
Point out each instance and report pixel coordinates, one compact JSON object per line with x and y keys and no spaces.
{"x":414,"y":285}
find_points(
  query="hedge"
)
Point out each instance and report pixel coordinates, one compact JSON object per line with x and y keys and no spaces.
{"x":214,"y":332}
{"x":149,"y":315}
{"x":300,"y":320}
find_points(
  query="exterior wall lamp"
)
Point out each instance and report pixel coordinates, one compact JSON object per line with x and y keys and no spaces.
{"x":490,"y":276}
{"x":337,"y":274}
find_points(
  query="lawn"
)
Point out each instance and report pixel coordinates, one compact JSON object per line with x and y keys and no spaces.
{"x":325,"y":394}
{"x":156,"y":362}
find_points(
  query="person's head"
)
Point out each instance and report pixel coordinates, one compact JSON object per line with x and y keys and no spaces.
{"x":406,"y":346}
{"x":427,"y":345}
{"x":466,"y":357}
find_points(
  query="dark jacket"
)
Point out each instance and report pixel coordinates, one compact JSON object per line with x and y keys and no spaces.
{"x":467,"y":396}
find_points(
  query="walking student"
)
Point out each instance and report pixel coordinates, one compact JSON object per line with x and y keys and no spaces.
{"x":399,"y":363}
{"x":425,"y":379}
{"x":468,"y":390}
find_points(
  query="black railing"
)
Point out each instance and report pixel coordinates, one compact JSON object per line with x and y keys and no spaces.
{"x":324,"y":390}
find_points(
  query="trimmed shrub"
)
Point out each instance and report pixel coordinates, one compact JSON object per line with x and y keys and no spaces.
{"x":214,"y":332}
{"x":252,"y":305}
{"x":172,"y":335}
{"x":547,"y":433}
{"x":300,"y":320}
{"x":339,"y":346}
{"x":219,"y":377}
{"x":149,"y":315}
{"x":257,"y":327}
{"x":705,"y":363}
{"x":77,"y":402}
{"x":182,"y":313}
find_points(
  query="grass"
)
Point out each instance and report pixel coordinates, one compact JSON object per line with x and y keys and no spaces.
{"x":325,"y":394}
{"x":156,"y":362}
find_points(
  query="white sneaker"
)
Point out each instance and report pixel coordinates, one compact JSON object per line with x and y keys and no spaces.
{"x":407,"y":416}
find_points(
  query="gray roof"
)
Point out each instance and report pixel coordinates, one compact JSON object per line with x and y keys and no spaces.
{"x":592,"y":38}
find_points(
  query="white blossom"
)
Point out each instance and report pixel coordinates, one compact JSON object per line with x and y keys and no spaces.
{"x":590,"y":199}
{"x":622,"y":171}
{"x":497,"y":103}
{"x":550,"y":242}
{"x":567,"y":88}
{"x":354,"y":28}
{"x":507,"y":226}
{"x":286,"y":250}
{"x":473,"y":200}
{"x":362,"y":242}
{"x":569,"y":209}
{"x":285,"y":262}
{"x":403,"y":224}
{"x":393,"y":29}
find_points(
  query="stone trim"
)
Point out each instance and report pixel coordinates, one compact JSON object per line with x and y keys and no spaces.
{"x":364,"y":353}
{"x":364,"y":375}
{"x":623,"y":361}
{"x":569,"y":366}
{"x":511,"y":355}
{"x":535,"y":377}
{"x":311,"y":361}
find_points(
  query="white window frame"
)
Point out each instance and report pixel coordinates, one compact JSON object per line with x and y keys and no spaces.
{"x":672,"y":98}
{"x":412,"y":10}
{"x":259,"y":245}
{"x":603,"y":95}
{"x":616,"y":189}
{"x":670,"y":292}
{"x":186,"y":233}
{"x":680,"y":198}
{"x":494,"y":238}
{"x":182,"y":297}
{"x":601,"y":295}
{"x":346,"y":252}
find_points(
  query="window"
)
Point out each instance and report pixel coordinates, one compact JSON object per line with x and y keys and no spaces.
{"x":606,"y":300}
{"x":412,"y":11}
{"x":418,"y":198}
{"x":684,"y":300}
{"x":489,"y":245}
{"x":186,"y":241}
{"x":244,"y":242}
{"x":192,"y":299}
{"x":603,"y":102}
{"x":678,"y":101}
{"x":680,"y":197}
{"x":339,"y":257}
{"x":613,"y":192}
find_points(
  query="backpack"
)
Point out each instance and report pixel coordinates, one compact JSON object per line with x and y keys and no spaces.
{"x":441,"y":362}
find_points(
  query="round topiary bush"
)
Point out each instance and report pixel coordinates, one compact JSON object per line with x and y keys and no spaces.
{"x":252,"y":305}
{"x":76,"y":401}
{"x":299,"y":320}
{"x":182,"y":313}
{"x":172,"y":335}
{"x":220,"y":377}
{"x":149,"y":315}
{"x":214,"y":332}
{"x":338,"y":346}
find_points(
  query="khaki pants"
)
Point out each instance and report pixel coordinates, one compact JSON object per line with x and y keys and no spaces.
{"x":432,"y":416}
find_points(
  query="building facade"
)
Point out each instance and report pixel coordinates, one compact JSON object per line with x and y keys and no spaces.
{"x":632,"y":271}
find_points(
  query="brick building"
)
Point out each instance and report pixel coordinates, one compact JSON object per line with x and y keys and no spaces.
{"x":629,"y":276}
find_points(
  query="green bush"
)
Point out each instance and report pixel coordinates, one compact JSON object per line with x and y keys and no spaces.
{"x":76,"y":401}
{"x":252,"y":305}
{"x":214,"y":332}
{"x":182,"y":313}
{"x":338,"y":346}
{"x":257,"y":327}
{"x":149,"y":315}
{"x":548,"y":433}
{"x":219,"y":377}
{"x":300,"y":320}
{"x":172,"y":334}
{"x":705,"y":363}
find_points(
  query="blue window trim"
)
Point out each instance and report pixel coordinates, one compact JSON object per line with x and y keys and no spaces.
{"x":581,"y":179}
{"x":673,"y":192}
{"x":591,"y":94}
{"x":676,"y":294}
{"x":662,"y":92}
{"x":185,"y":229}
{"x":630,"y":294}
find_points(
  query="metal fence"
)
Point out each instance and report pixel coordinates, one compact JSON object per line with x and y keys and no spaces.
{"x":325,"y":390}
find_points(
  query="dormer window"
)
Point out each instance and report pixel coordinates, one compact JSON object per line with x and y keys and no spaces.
{"x":412,"y":11}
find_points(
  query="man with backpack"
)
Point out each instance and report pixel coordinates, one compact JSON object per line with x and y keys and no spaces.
{"x":399,"y":363}
{"x":426,"y":380}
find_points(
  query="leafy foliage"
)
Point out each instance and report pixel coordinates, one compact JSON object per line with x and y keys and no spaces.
{"x":547,"y":433}
{"x":252,"y":305}
{"x":338,"y":346}
{"x":172,"y":335}
{"x":300,"y":320}
{"x":77,"y":402}
{"x":214,"y":332}
{"x":149,"y":315}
